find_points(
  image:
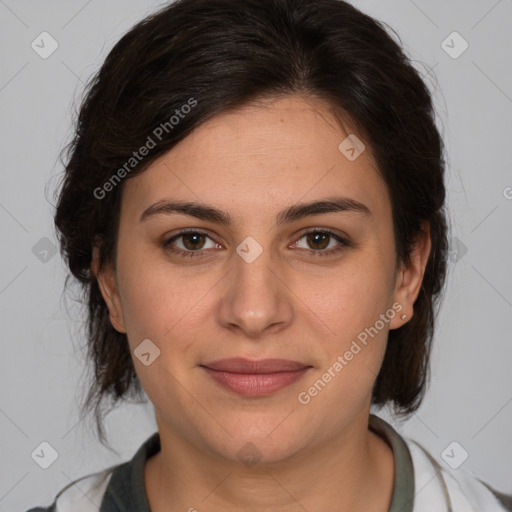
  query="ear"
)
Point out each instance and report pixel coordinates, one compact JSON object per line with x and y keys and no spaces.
{"x":109,"y":290}
{"x":410,"y":277}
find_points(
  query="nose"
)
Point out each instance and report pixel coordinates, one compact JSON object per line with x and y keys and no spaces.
{"x":256,"y":299}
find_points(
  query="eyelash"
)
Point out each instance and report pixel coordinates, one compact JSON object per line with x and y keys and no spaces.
{"x":199,"y":253}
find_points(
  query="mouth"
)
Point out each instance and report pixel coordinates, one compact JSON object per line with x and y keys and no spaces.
{"x":255,"y":378}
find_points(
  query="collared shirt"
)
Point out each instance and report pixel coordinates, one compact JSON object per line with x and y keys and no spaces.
{"x":421,"y":484}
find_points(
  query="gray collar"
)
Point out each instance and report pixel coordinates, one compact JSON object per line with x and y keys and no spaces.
{"x":403,"y":489}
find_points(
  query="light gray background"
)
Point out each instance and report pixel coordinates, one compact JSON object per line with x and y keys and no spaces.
{"x":470,"y":398}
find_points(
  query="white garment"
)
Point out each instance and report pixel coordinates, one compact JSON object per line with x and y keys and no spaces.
{"x":464,"y":492}
{"x":85,"y":494}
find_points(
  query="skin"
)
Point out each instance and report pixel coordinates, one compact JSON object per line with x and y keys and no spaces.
{"x":252,"y":163}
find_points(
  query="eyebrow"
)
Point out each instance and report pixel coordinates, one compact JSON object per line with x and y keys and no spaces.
{"x":292,"y":213}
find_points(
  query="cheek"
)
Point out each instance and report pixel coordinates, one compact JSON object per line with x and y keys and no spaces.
{"x":164,"y":303}
{"x":156,"y":308}
{"x":351,"y":297}
{"x":151,"y":297}
{"x":353,"y":357}
{"x":354,"y":310}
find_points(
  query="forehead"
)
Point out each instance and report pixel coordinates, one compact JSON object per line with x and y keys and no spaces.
{"x":262,"y":156}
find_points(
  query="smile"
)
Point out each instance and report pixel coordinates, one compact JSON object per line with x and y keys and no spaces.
{"x":255,"y":378}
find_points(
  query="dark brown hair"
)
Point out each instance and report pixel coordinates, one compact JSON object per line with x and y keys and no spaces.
{"x":224,"y":54}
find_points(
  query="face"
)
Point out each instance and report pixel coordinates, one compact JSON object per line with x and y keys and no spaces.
{"x":260,"y":286}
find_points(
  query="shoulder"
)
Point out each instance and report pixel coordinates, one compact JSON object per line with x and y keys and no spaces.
{"x":82,"y":495}
{"x":115,"y":488}
{"x":441,"y":488}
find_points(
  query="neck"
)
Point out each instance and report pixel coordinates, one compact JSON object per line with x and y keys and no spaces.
{"x":354,"y":471}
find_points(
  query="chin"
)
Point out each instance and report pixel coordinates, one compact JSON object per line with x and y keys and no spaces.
{"x":258,"y":441}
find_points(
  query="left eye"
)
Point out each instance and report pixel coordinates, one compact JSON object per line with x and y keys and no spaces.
{"x":320,"y":240}
{"x":194,"y":241}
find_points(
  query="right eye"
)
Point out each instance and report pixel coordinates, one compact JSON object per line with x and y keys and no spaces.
{"x":193,"y":241}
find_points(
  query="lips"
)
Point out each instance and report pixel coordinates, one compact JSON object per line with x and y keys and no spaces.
{"x":241,"y":365}
{"x":255,"y":378}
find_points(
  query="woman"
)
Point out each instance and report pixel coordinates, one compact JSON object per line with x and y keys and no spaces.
{"x":254,"y":203}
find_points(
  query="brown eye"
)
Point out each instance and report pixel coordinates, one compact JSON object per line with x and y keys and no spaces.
{"x":193,"y":241}
{"x":190,"y":243}
{"x":318,"y":240}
